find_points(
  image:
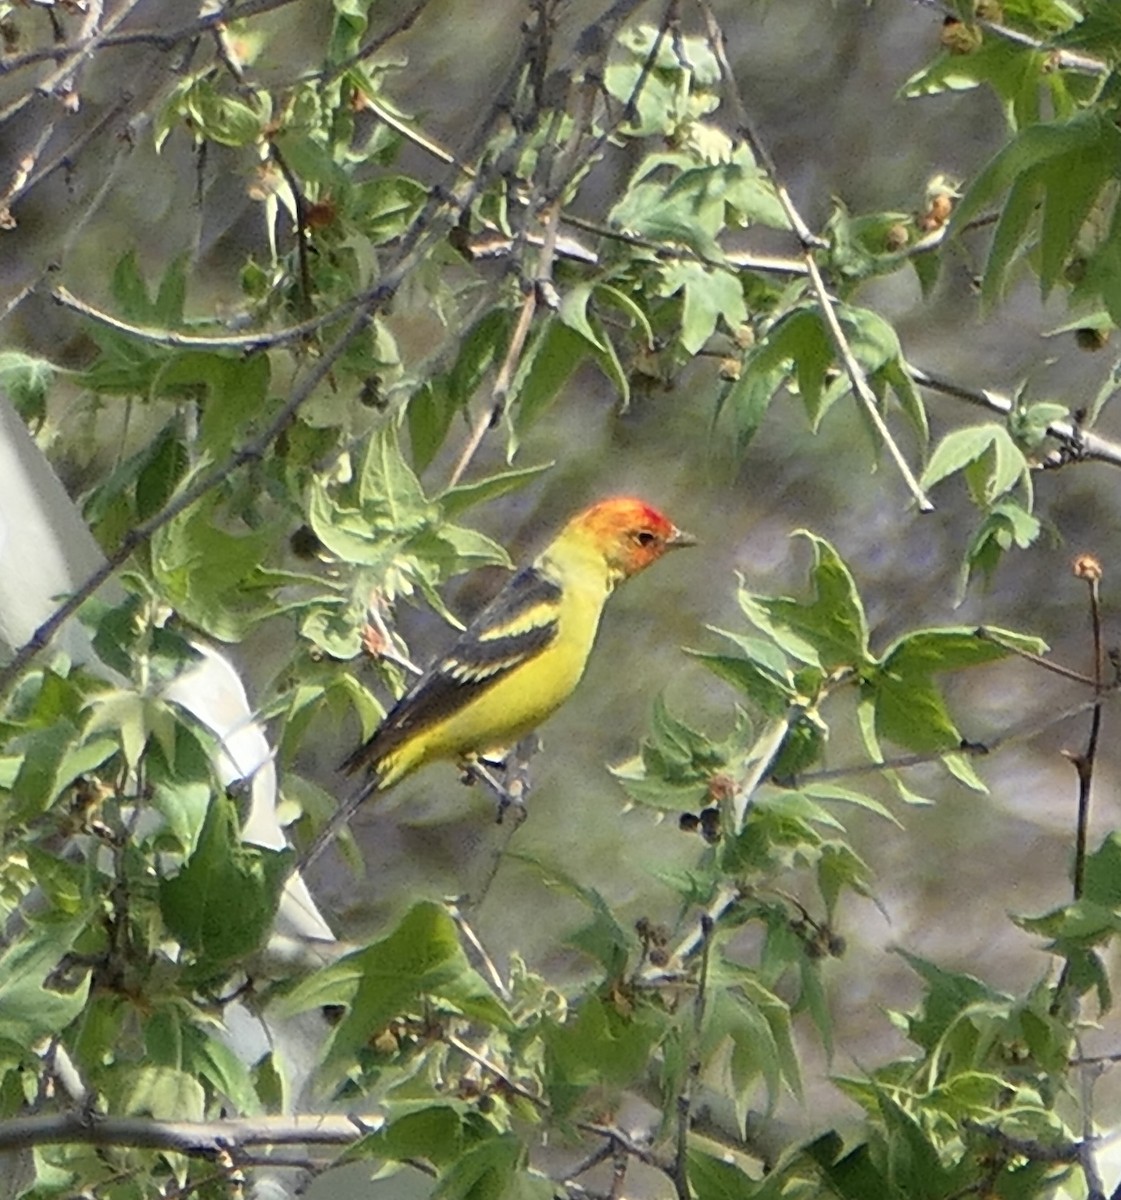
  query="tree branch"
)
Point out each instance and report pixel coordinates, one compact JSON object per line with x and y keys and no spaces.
{"x":1080,"y":443}
{"x":162,"y":39}
{"x":196,"y":1138}
{"x":810,"y":243}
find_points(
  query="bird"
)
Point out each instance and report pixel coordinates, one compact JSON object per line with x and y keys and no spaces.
{"x":518,"y":660}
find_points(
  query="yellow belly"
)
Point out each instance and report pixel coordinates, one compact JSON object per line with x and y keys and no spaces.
{"x":516,"y":704}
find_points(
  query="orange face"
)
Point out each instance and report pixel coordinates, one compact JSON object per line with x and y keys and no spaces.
{"x":631,"y":533}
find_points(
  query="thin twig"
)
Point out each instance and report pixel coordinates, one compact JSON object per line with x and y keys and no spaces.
{"x":492,"y":413}
{"x":1039,"y":660}
{"x":300,"y":209}
{"x":162,"y":39}
{"x":247,"y":343}
{"x":467,"y":932}
{"x":810,"y":243}
{"x":1017,"y":733}
{"x":692,"y":1078}
{"x":604,"y":38}
{"x":1080,"y":443}
{"x":66,"y":72}
{"x":1089,"y":569}
{"x":492,"y":1068}
{"x":1033,"y":1151}
{"x":368,"y":48}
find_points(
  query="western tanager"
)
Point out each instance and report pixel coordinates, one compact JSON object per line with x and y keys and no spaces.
{"x":520,"y":658}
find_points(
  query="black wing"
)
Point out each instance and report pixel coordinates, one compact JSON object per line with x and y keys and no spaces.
{"x":517,"y":625}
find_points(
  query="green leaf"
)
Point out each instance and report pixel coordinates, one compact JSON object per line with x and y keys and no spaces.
{"x":573,"y":312}
{"x":383,"y":208}
{"x":387,"y":483}
{"x":1102,"y":877}
{"x":210,"y":576}
{"x":990,"y":445}
{"x":485,"y":1172}
{"x":222,"y":119}
{"x":182,"y":785}
{"x":165,"y":465}
{"x":798,"y":339}
{"x":712,"y":1178}
{"x":221,"y":904}
{"x":603,"y":938}
{"x":597,"y":1046}
{"x":421,"y":957}
{"x":711,"y":295}
{"x":26,"y":381}
{"x":829,"y":630}
{"x":548,"y":363}
{"x":482,"y":347}
{"x":772,"y":690}
{"x":1067,"y":163}
{"x":955,"y":647}
{"x":29,"y":1008}
{"x":480,"y":491}
{"x":161,"y":1092}
{"x":912,"y":712}
{"x":129,"y":289}
{"x":948,"y":994}
{"x":439,"y":1134}
{"x":234,"y":392}
{"x":1006,"y":525}
{"x":429,"y":415}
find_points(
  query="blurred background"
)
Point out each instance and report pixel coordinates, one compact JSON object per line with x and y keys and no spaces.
{"x":822,"y":80}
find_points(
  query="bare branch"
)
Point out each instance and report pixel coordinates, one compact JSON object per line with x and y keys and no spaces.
{"x":197,"y":1138}
{"x":61,"y":81}
{"x":249,"y":343}
{"x":162,"y":39}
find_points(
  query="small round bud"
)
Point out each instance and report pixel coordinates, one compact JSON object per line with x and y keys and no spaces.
{"x":896,"y":237}
{"x":320,"y":214}
{"x":1088,"y":567}
{"x":710,"y":825}
{"x":959,"y":38}
{"x":938,"y":212}
{"x":721,"y":787}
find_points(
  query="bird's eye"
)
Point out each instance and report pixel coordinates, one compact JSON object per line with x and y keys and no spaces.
{"x":644,"y":537}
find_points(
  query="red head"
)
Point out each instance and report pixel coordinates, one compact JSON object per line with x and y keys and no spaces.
{"x":630,"y":533}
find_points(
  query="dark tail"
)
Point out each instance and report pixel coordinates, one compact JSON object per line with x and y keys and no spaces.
{"x":347,"y":808}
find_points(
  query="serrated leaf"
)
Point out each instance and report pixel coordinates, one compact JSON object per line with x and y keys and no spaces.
{"x":422,"y":956}
{"x":827,"y":631}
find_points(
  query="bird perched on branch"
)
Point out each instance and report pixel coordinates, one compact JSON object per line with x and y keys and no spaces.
{"x":519,"y":659}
